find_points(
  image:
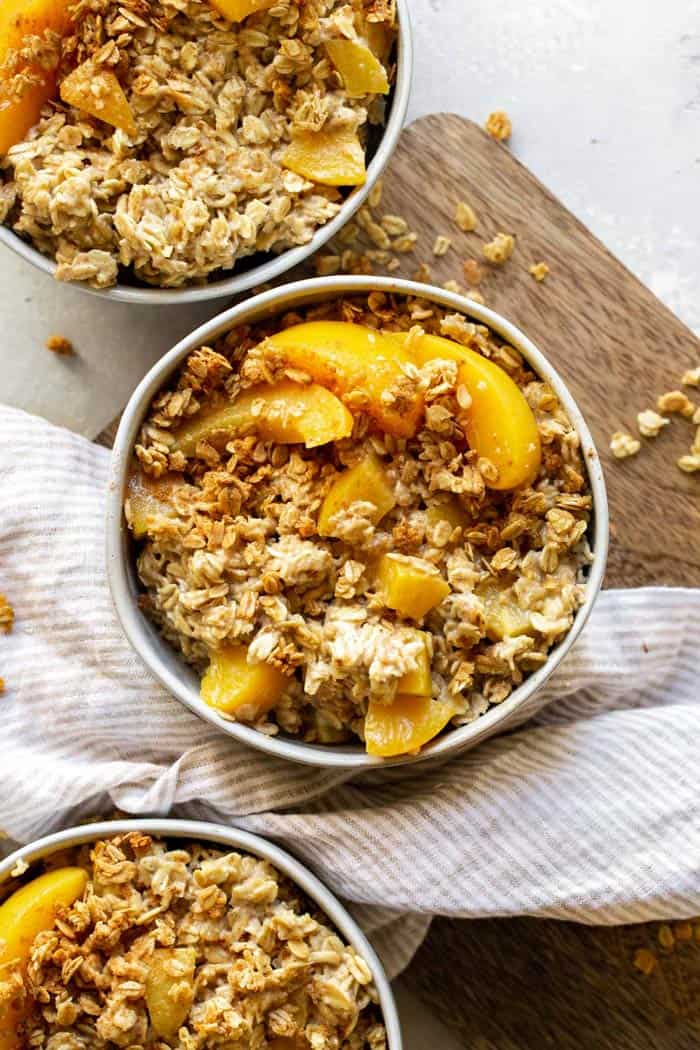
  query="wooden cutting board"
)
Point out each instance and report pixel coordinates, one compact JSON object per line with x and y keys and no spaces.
{"x":525,"y":984}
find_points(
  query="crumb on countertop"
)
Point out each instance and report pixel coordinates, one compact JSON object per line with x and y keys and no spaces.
{"x":539,"y":271}
{"x":442,"y":245}
{"x":623,"y":445}
{"x":650,"y":423}
{"x":472,"y":272}
{"x":499,"y":126}
{"x":58,"y":344}
{"x":677,"y":402}
{"x":465,"y":217}
{"x":500,"y":249}
{"x":691,"y":377}
{"x":7,"y":615}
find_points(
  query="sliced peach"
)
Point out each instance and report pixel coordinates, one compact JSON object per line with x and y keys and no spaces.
{"x":98,"y":92}
{"x":418,"y":682}
{"x":170,"y":989}
{"x":410,"y":586}
{"x":286,"y":412}
{"x":499,"y":423}
{"x":149,"y":502}
{"x":405,"y":725}
{"x":356,"y":362}
{"x":366,"y":482}
{"x":331,"y":157}
{"x":20,"y":20}
{"x":245,"y":691}
{"x":362,"y":72}
{"x":503,"y":617}
{"x":29,"y":911}
{"x":380,"y":37}
{"x":237,"y":10}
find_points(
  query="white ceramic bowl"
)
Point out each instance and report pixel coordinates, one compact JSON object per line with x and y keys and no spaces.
{"x":230,"y":838}
{"x":248,"y":273}
{"x":162,"y":659}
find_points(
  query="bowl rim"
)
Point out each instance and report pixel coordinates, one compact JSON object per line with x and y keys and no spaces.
{"x":204,"y":831}
{"x":229,"y":287}
{"x":143,"y":637}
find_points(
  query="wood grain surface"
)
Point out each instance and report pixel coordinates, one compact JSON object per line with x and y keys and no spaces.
{"x":526,"y":984}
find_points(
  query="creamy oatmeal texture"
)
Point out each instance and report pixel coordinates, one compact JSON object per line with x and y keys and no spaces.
{"x":257,"y":967}
{"x":237,"y":551}
{"x":202,"y":182}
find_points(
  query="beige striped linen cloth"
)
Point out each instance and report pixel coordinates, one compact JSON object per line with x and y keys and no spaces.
{"x":589,"y":812}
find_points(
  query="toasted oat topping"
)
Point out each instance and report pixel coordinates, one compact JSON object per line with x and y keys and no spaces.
{"x":623,"y":445}
{"x":267,"y":965}
{"x":650,"y":423}
{"x":465,"y":217}
{"x":500,"y":249}
{"x":58,"y":344}
{"x":7,"y":615}
{"x":472,"y":272}
{"x":202,"y":184}
{"x":691,"y":377}
{"x":239,"y":558}
{"x":499,"y":126}
{"x":676,"y":402}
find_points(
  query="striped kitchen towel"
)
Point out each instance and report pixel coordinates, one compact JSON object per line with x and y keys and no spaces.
{"x":590,"y":812}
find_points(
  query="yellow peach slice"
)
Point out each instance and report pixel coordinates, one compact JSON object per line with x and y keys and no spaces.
{"x":499,"y":424}
{"x":170,"y":989}
{"x":362,"y":72}
{"x":410,"y":586}
{"x":354,"y":362}
{"x":237,"y":10}
{"x":418,"y":682}
{"x":21,"y":20}
{"x":242,"y":690}
{"x":331,"y":157}
{"x":98,"y":92}
{"x":404,"y":725}
{"x":366,"y":482}
{"x":148,"y":502}
{"x":380,"y":37}
{"x":503,"y":617}
{"x":286,"y":412}
{"x":29,"y":911}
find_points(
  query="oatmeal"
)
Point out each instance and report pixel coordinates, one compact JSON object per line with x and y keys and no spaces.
{"x":363,"y":519}
{"x":151,"y":945}
{"x":180,"y":142}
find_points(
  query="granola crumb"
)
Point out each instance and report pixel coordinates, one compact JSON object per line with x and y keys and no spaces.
{"x":696,"y":416}
{"x":500,"y":249}
{"x":645,"y":961}
{"x":650,"y":423}
{"x":677,"y":402}
{"x":465,"y":217}
{"x":623,"y":445}
{"x":7,"y":615}
{"x":472,"y":271}
{"x":2,"y":688}
{"x":690,"y":464}
{"x":683,"y":931}
{"x":442,"y":245}
{"x":476,"y":297}
{"x":539,"y":271}
{"x":58,"y":344}
{"x":666,"y":937}
{"x":19,"y":869}
{"x":375,"y":194}
{"x":499,"y":126}
{"x":325,"y":265}
{"x":454,"y":286}
{"x":691,"y":377}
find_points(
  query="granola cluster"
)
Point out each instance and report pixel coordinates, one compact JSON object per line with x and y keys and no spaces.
{"x":202,"y":184}
{"x":241,"y":560}
{"x":268,"y":967}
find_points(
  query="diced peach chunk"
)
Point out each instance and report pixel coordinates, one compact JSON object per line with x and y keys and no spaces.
{"x":30,"y":910}
{"x":286,"y":412}
{"x":237,"y":10}
{"x":98,"y":92}
{"x":354,"y":362}
{"x":170,"y":989}
{"x":418,"y":682}
{"x":410,"y":586}
{"x":499,"y":424}
{"x":149,"y":502}
{"x":380,"y":37}
{"x":19,"y":21}
{"x":404,"y":725}
{"x":366,"y":482}
{"x":244,"y":691}
{"x":503,"y":617}
{"x":331,"y":157}
{"x":362,"y":72}
{"x":449,"y":511}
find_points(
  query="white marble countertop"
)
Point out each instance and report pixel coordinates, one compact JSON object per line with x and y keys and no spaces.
{"x":605,"y":101}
